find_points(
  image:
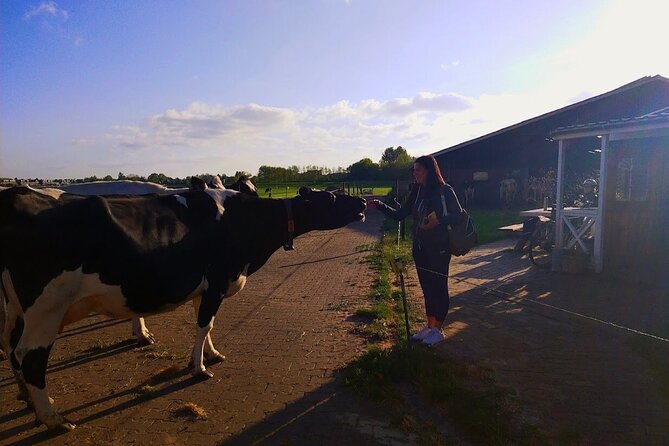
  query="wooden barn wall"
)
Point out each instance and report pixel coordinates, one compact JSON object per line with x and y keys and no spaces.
{"x":636,"y":238}
{"x":525,"y":150}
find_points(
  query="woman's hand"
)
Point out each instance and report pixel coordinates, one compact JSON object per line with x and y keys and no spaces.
{"x":430,"y":222}
{"x":373,"y":204}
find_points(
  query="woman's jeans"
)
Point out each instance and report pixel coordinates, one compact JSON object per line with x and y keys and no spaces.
{"x":432,"y":266}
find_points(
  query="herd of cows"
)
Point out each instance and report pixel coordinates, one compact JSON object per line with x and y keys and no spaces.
{"x":127,"y":250}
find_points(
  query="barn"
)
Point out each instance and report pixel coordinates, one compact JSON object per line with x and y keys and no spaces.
{"x":631,"y":237}
{"x":501,"y":168}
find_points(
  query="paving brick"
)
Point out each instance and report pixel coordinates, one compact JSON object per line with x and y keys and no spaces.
{"x":575,"y":371}
{"x":283,"y":335}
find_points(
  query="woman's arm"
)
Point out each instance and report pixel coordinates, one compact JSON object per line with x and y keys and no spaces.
{"x":403,"y":212}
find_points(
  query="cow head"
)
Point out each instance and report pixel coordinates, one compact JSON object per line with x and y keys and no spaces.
{"x":326,"y":210}
{"x":245,"y":186}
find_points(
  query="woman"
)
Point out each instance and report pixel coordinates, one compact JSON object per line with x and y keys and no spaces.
{"x":433,"y":205}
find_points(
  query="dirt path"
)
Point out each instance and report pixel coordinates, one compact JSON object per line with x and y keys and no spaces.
{"x":284,"y":337}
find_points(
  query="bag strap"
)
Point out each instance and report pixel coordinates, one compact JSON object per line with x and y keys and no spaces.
{"x":443,"y":204}
{"x":443,"y":200}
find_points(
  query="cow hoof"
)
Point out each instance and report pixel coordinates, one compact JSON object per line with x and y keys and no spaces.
{"x":202,"y":374}
{"x":143,"y":342}
{"x":145,"y":339}
{"x":62,"y":426}
{"x":214,"y":358}
{"x":66,"y":426}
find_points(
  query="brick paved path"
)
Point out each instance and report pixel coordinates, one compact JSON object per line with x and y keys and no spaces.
{"x":288,"y":331}
{"x":573,"y":375}
{"x":284,"y":336}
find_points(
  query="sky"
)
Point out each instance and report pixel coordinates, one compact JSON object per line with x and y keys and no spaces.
{"x":183,"y":88}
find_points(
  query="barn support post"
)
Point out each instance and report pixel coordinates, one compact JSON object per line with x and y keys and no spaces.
{"x":559,"y":227}
{"x":599,"y":224}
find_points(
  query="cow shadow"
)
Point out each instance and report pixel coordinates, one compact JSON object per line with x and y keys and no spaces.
{"x":176,"y":381}
{"x":89,"y":355}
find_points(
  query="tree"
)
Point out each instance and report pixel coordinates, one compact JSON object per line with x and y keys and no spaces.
{"x":395,"y":163}
{"x":159,"y":178}
{"x":398,"y":156}
{"x":365,"y":169}
{"x":108,"y":178}
{"x":270,"y":174}
{"x":121,"y":176}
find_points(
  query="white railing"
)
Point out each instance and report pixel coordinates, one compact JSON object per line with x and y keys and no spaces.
{"x":580,"y":222}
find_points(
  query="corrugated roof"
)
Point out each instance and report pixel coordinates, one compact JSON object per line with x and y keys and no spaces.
{"x":654,"y":117}
{"x":637,"y":83}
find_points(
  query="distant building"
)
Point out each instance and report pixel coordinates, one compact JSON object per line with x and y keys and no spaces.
{"x":633,"y":207}
{"x":496,"y":168}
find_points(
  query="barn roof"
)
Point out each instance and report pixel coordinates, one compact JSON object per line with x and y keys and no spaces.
{"x":654,"y":117}
{"x":632,"y":85}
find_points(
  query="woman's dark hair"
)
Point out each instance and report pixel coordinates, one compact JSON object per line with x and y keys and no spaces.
{"x":434,"y":178}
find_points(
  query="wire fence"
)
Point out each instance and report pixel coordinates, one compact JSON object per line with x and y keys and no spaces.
{"x":511,"y":298}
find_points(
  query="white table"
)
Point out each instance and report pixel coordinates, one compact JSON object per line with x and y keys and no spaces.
{"x":578,"y":220}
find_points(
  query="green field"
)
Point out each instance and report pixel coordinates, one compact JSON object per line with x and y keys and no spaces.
{"x":287,"y":190}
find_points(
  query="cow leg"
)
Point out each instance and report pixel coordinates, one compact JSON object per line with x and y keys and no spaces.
{"x":10,"y":336}
{"x":211,"y":355}
{"x":11,"y":329}
{"x":32,"y":355}
{"x":205,"y":322}
{"x":3,"y":322}
{"x":144,"y":336}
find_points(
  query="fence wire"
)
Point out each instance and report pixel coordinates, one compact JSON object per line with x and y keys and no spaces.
{"x":508,"y":297}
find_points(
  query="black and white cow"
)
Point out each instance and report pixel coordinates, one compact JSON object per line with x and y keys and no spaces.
{"x":131,"y":187}
{"x":64,"y":256}
{"x":244,"y":185}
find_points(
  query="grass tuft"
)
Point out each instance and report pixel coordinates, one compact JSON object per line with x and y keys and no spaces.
{"x":191,"y":411}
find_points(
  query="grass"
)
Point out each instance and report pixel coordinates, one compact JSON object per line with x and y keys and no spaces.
{"x":487,"y":222}
{"x":287,"y":190}
{"x":102,"y":345}
{"x":475,"y":404}
{"x":191,"y":411}
{"x":481,"y":410}
{"x":385,"y":303}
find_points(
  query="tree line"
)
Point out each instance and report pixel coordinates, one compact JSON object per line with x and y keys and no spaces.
{"x":395,"y":163}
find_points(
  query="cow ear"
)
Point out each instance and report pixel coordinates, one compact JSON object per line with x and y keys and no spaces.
{"x":304,"y":191}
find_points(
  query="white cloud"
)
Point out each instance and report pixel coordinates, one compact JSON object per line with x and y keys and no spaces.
{"x":341,"y":125}
{"x":245,"y":137}
{"x":450,"y":66}
{"x":46,"y":9}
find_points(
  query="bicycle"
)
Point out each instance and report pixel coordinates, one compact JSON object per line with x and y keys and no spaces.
{"x":541,"y":243}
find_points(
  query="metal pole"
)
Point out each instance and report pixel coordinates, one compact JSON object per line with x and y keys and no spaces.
{"x":559,"y":226}
{"x":601,"y":203}
{"x":400,"y":269}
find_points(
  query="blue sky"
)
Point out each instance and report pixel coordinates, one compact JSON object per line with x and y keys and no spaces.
{"x":98,"y":87}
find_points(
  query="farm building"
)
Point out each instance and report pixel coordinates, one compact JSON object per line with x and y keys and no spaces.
{"x":504,"y":167}
{"x":631,"y":237}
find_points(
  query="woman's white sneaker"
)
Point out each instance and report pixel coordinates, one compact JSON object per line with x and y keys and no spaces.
{"x":420,"y":335}
{"x":434,"y":337}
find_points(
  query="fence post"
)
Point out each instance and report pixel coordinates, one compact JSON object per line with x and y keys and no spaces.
{"x":398,"y":200}
{"x":398,"y":266}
